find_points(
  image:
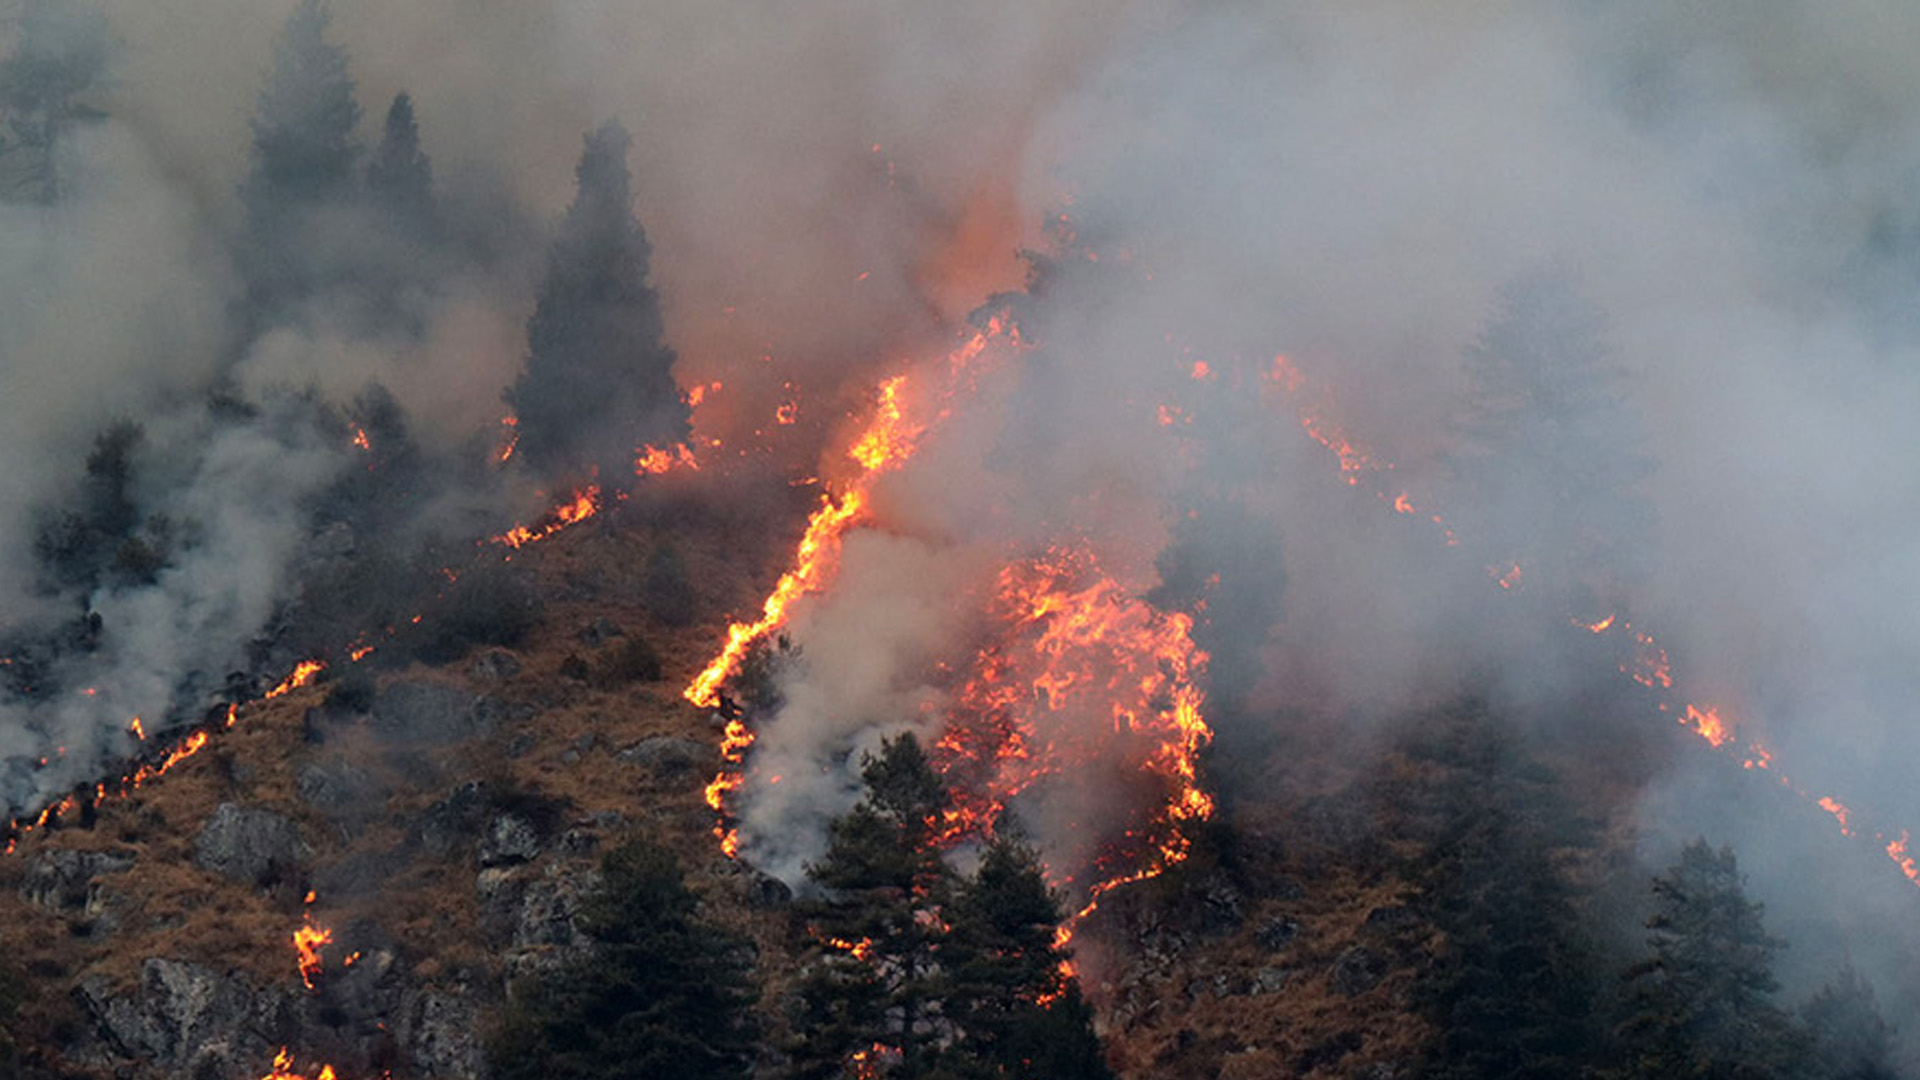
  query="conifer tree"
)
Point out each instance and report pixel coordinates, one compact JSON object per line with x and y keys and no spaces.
{"x":873,"y":984}
{"x":304,"y":153}
{"x":662,"y":996}
{"x":599,"y":377}
{"x":1702,"y":1001}
{"x":1514,"y":989}
{"x":1018,"y":1012}
{"x":400,"y":177}
{"x":1850,"y":1039}
{"x":1550,"y":452}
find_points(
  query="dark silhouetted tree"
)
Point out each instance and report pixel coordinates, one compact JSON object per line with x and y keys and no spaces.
{"x":599,"y":378}
{"x":662,"y":996}
{"x":925,"y":974}
{"x":1702,"y":1002}
{"x":1551,"y":453}
{"x":400,"y":178}
{"x":304,"y":155}
{"x":1016,"y":1011}
{"x":60,"y":52}
{"x":1223,"y":566}
{"x":1851,"y":1041}
{"x":873,"y":977}
{"x":1514,"y":989}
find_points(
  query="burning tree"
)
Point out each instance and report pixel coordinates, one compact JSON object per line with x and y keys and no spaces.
{"x":599,"y":378}
{"x":918,"y":973}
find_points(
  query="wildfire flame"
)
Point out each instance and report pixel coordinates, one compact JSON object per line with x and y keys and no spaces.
{"x":1082,"y":668}
{"x":283,"y":1069}
{"x":1649,"y":665}
{"x":654,"y":460}
{"x":308,"y":940}
{"x":580,"y":506}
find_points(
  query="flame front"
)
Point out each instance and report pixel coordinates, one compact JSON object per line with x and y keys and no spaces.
{"x":1082,"y":671}
{"x":580,"y":506}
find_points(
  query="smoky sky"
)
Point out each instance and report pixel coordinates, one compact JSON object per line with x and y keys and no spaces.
{"x":830,"y":187}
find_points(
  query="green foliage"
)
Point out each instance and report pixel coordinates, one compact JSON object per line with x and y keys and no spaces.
{"x":1702,"y":1000}
{"x":956,"y":979}
{"x":1018,"y":1013}
{"x":1850,"y":1039}
{"x":1513,"y":993}
{"x":101,"y":536}
{"x":599,"y":378}
{"x":884,"y":887}
{"x":663,"y":996}
{"x":303,"y":132}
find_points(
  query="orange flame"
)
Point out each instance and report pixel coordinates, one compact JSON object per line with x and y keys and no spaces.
{"x":653,"y":460}
{"x":1897,"y":851}
{"x":1078,"y":644}
{"x":360,"y":439}
{"x":283,"y":1069}
{"x":308,"y":940}
{"x":582,"y":505}
{"x":303,"y":673}
{"x":1839,"y":811}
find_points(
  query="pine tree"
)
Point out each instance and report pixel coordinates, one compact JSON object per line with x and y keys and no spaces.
{"x":304,"y":154}
{"x":1550,"y":452}
{"x":303,"y":134}
{"x":1514,"y":988}
{"x":1850,"y":1039}
{"x":599,"y":377}
{"x":874,"y":978}
{"x":1018,"y":1012}
{"x":400,"y":177}
{"x":663,"y":996}
{"x":1702,"y":1001}
{"x":60,"y":53}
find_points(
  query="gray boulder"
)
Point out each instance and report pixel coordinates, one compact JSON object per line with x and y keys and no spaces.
{"x":63,"y":881}
{"x":509,"y":840}
{"x":495,"y":665}
{"x":1358,"y":970}
{"x":668,"y":756}
{"x":247,"y":845}
{"x":440,"y":1031}
{"x":427,"y":712}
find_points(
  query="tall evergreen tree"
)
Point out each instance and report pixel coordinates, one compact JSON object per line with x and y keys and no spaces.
{"x":304,"y":153}
{"x":1513,"y":991}
{"x":599,"y":376}
{"x":663,"y":996}
{"x":916,"y":974}
{"x":874,"y":978}
{"x":400,"y":177}
{"x":1018,"y":1012}
{"x":1850,"y":1039}
{"x":59,"y":53}
{"x":1702,"y":1001}
{"x":1551,"y":454}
